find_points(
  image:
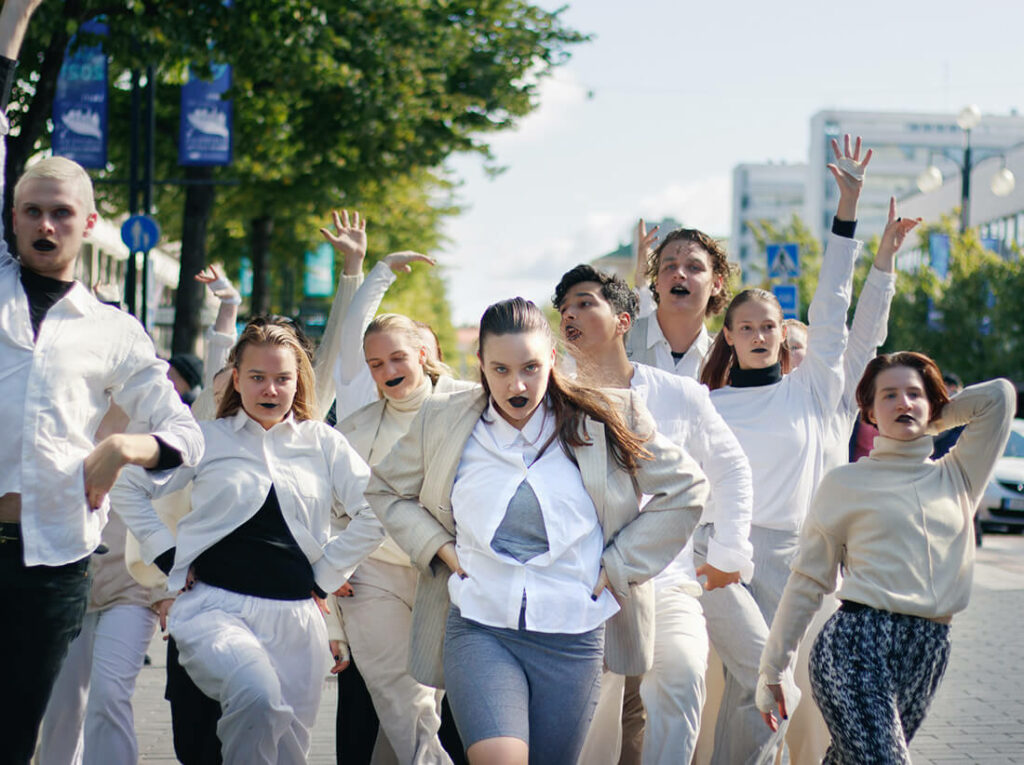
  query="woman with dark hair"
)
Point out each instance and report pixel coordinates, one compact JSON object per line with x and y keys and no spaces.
{"x":900,"y":526}
{"x":520,"y":502}
{"x":258,"y":547}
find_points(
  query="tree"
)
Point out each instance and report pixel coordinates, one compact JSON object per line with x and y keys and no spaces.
{"x":332,"y":102}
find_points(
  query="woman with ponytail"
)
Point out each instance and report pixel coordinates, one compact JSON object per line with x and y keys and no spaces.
{"x":780,"y":418}
{"x":518,"y":503}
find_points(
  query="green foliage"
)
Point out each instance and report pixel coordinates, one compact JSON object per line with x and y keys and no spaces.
{"x":976,"y":326}
{"x":971,"y":324}
{"x":338,"y":103}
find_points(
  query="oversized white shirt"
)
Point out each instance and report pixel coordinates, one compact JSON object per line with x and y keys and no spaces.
{"x":646,"y":344}
{"x":683,"y":412}
{"x":557,"y":583}
{"x":317,"y":477}
{"x":56,"y":390}
{"x":784,"y":428}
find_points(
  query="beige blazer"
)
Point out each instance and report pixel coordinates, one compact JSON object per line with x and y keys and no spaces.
{"x":410,"y":491}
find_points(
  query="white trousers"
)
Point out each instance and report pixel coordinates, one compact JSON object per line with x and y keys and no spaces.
{"x":378,"y":620}
{"x":672,"y":690}
{"x":264,"y":660}
{"x":89,"y":716}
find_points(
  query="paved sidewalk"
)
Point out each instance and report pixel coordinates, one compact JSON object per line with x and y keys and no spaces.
{"x":978,"y":715}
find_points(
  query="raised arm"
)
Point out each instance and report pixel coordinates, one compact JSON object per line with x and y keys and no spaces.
{"x":132,"y":498}
{"x":14,"y":18}
{"x":349,"y":241}
{"x":871,"y":318}
{"x":222,"y":334}
{"x":353,"y":383}
{"x":987,"y":410}
{"x":822,"y":369}
{"x":643,"y":244}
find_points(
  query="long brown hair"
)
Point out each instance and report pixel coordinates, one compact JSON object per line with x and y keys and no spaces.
{"x":570,"y":403}
{"x":304,"y":404}
{"x":715,"y":371}
{"x":934,"y":387}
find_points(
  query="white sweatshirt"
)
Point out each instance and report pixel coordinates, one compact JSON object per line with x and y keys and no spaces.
{"x":784,"y":427}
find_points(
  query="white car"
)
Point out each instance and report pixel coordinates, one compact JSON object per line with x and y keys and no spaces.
{"x":1002,"y":507}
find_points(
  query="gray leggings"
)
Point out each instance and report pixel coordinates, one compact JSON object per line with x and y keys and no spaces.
{"x":539,"y":687}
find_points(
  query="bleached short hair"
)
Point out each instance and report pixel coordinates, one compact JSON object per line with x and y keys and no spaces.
{"x":61,"y":169}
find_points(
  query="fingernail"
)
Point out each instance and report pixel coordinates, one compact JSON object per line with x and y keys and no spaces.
{"x":463,"y":575}
{"x":337,"y":658}
{"x":593,"y":597}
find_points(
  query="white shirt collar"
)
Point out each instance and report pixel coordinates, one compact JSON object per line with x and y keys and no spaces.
{"x":701,"y":343}
{"x":241,"y":419}
{"x":533,"y":433}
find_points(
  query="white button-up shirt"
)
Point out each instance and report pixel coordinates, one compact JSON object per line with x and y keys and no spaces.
{"x":683,"y":412}
{"x":55,"y":391}
{"x":557,"y":583}
{"x":646,"y":344}
{"x":318,"y":477}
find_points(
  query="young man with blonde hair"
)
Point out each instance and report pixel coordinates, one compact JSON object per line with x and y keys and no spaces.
{"x":64,"y":357}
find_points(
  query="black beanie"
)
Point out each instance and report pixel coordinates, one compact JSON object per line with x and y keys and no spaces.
{"x":189,"y":366}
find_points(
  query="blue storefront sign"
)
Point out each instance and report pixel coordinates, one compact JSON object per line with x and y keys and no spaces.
{"x":80,"y":103}
{"x":206,"y":120}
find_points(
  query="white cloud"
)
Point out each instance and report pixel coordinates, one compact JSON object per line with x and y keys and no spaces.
{"x":559,"y":96}
{"x":515,"y":265}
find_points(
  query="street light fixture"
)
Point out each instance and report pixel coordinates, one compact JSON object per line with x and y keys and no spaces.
{"x":1002,"y":182}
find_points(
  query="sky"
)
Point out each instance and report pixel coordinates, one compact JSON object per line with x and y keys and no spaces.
{"x":649,"y":118}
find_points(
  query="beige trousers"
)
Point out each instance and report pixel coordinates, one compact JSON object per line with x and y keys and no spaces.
{"x":378,"y":618}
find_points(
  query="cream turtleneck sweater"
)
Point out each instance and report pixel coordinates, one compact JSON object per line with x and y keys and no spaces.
{"x":899,"y":524}
{"x":398,"y":416}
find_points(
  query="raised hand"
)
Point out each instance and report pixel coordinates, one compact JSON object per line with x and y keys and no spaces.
{"x":219,"y":285}
{"x":400,"y":262}
{"x":893,"y":236}
{"x":848,"y":170}
{"x":348,"y":239}
{"x":645,"y":243}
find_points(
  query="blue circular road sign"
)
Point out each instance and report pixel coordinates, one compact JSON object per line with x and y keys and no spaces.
{"x":140,"y":233}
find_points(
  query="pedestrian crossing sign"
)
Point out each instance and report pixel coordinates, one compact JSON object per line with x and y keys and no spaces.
{"x":783,"y":261}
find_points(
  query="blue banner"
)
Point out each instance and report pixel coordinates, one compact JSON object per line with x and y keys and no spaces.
{"x":80,"y":103}
{"x":938,"y":254}
{"x":206,"y":120}
{"x":319,"y":281}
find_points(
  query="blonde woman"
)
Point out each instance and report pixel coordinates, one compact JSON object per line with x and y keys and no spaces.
{"x":256,"y":547}
{"x":378,"y":614}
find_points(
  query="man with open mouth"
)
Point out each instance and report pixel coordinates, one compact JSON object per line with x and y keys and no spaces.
{"x":65,"y":356}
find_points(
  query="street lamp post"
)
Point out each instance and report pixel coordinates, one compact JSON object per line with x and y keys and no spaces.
{"x":930,"y":179}
{"x":967,"y":119}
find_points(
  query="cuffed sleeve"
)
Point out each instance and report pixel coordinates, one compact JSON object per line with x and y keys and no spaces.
{"x":132,"y":498}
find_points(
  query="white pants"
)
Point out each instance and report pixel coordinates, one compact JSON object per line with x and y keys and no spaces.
{"x":264,"y":660}
{"x":378,"y":620}
{"x":672,"y":690}
{"x":89,"y":716}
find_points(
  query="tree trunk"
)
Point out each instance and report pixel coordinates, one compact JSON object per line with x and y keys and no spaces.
{"x":33,"y":124}
{"x":198,"y":208}
{"x":262,"y":228}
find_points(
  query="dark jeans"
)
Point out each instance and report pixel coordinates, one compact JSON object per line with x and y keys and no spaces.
{"x":194,"y":715}
{"x":42,"y":609}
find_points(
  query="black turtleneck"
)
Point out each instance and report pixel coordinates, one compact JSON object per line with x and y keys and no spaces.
{"x":755,"y":378}
{"x":42,"y":293}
